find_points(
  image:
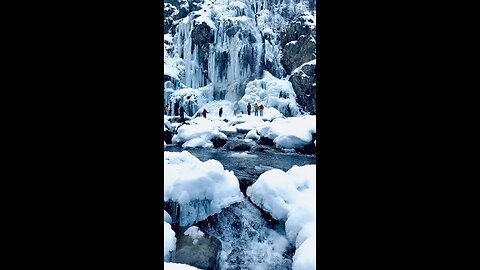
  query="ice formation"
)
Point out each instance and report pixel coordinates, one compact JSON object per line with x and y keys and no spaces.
{"x":267,"y":90}
{"x":290,"y":197}
{"x":197,"y":189}
{"x":215,"y":52}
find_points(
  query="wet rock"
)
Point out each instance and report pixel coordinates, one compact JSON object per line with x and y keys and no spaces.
{"x":218,"y":142}
{"x":244,"y":183}
{"x":167,"y":136}
{"x":309,"y":149}
{"x":266,"y":141}
{"x":204,"y":254}
{"x":239,"y":145}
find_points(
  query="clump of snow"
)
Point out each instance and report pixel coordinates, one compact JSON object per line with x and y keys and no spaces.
{"x":228,"y":129}
{"x":201,"y":129}
{"x":267,"y":90}
{"x":252,"y":134}
{"x":251,"y":125}
{"x":290,"y":197}
{"x":243,"y":155}
{"x":200,"y":188}
{"x":178,"y":266}
{"x":197,"y":142}
{"x":195,"y":233}
{"x":168,"y":242}
{"x":291,"y":132}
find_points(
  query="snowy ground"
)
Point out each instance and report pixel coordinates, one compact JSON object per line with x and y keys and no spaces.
{"x":286,"y":133}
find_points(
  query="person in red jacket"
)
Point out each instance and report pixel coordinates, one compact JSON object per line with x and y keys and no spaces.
{"x":204,"y":113}
{"x":260,"y":108}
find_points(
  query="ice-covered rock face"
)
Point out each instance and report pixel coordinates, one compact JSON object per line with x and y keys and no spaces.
{"x":225,"y":44}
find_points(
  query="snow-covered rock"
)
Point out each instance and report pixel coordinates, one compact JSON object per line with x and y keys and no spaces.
{"x":200,"y":128}
{"x":169,"y":241}
{"x":292,"y":132}
{"x":252,"y":134}
{"x":197,"y":189}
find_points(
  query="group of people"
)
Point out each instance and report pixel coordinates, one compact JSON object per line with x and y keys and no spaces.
{"x":180,"y":111}
{"x":256,"y":108}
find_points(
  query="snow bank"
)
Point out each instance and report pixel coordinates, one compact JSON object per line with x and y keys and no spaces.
{"x":178,"y":266}
{"x":200,"y":188}
{"x":169,"y":241}
{"x":290,"y":197}
{"x":267,"y":90}
{"x":292,"y":132}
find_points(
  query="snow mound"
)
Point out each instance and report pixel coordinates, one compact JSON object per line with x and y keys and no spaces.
{"x":292,"y":132}
{"x":168,"y":242}
{"x":178,"y":266}
{"x":290,"y":197}
{"x":198,"y":142}
{"x":199,"y":188}
{"x":252,"y":134}
{"x":202,"y":129}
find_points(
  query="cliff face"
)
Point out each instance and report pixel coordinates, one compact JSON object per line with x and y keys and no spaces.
{"x":219,"y":46}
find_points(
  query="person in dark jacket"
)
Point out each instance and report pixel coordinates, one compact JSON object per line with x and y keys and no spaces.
{"x":281,"y":94}
{"x":249,"y":108}
{"x":204,"y":113}
{"x":220,"y":112}
{"x":182,"y":113}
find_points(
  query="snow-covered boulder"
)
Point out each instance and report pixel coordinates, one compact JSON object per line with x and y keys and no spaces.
{"x":168,"y":241}
{"x":198,"y":128}
{"x":290,"y":197}
{"x":292,"y":132}
{"x":195,"y":190}
{"x":252,"y":134}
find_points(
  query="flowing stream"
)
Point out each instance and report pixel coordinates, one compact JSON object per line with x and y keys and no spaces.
{"x":251,"y":239}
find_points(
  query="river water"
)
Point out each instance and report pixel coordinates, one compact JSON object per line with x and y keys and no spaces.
{"x":250,"y":239}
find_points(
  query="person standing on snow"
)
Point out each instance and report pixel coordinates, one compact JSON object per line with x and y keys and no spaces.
{"x":220,"y":112}
{"x":255,"y":107}
{"x":260,"y":108}
{"x":182,"y":113}
{"x":249,"y":108}
{"x":204,"y":113}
